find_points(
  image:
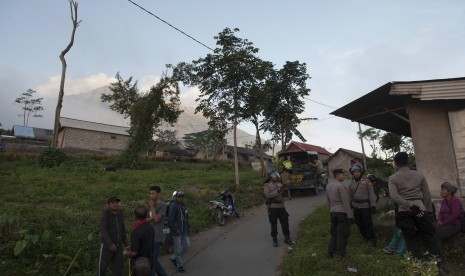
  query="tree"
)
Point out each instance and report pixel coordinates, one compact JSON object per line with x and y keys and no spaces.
{"x":392,"y":143}
{"x":254,"y":103}
{"x":165,"y":139}
{"x":285,"y":92}
{"x":223,"y":78}
{"x":147,"y":111}
{"x":73,"y":5}
{"x":371,"y":135}
{"x":29,"y":105}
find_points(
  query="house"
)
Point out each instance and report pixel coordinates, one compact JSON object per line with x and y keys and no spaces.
{"x":84,"y":135}
{"x":344,"y":159}
{"x":432,"y":112}
{"x":323,"y":154}
{"x":246,"y":154}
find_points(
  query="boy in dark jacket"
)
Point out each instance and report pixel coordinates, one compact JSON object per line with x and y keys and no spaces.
{"x":113,"y":238}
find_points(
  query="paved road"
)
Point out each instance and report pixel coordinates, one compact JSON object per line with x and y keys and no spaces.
{"x":243,"y":246}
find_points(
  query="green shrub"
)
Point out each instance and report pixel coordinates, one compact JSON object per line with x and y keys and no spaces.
{"x":51,"y":157}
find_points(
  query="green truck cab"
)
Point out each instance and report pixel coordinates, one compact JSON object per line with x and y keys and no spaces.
{"x":302,"y":176}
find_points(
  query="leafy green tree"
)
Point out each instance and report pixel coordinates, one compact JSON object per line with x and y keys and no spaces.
{"x":165,"y":139}
{"x":371,"y":135}
{"x":29,"y":105}
{"x":147,"y":111}
{"x":286,"y":89}
{"x":224,"y":78}
{"x":390,"y":143}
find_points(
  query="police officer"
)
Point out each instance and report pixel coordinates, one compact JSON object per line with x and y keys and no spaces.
{"x":340,"y":214}
{"x":273,"y":189}
{"x":364,"y":204}
{"x":409,"y":189}
{"x":288,"y":164}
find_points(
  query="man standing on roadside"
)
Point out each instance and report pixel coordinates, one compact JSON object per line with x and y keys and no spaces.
{"x":157,"y":219}
{"x":273,"y":190}
{"x":409,"y":189}
{"x":340,"y":214}
{"x":113,"y":239}
{"x":179,"y":229}
{"x":364,"y":204}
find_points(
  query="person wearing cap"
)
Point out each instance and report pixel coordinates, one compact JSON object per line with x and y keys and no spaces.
{"x":449,"y":223}
{"x":363,"y":201}
{"x":409,"y":190}
{"x":113,"y":238}
{"x":340,"y":212}
{"x":178,"y":221}
{"x":157,"y":213}
{"x":273,"y":190}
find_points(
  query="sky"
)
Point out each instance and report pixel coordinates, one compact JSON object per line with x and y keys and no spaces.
{"x":350,"y":48}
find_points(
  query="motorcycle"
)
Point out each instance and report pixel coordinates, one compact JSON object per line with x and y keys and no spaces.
{"x":380,"y":186}
{"x":223,"y":207}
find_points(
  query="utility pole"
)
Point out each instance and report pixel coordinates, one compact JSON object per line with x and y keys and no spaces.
{"x":363,"y":148}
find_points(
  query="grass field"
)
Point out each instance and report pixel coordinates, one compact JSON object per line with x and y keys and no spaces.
{"x":49,"y":217}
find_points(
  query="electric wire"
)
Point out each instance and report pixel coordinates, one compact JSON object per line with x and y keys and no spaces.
{"x":142,"y":8}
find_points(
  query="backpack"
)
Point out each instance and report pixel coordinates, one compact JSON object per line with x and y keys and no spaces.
{"x":166,"y":227}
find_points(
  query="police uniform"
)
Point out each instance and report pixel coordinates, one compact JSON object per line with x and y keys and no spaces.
{"x":364,"y":204}
{"x":340,"y":215}
{"x":409,"y":189}
{"x":276,"y":210}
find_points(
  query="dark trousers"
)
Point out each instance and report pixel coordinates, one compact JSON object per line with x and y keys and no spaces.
{"x":157,"y":268}
{"x":339,"y":231}
{"x":278,"y":213}
{"x":106,"y":257}
{"x":448,"y":230}
{"x":364,"y":221}
{"x":412,"y":226}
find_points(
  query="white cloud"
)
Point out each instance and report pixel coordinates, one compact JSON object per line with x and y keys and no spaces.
{"x":74,"y":86}
{"x":188,"y":96}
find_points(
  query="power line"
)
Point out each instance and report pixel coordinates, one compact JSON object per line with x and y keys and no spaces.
{"x":321,"y":103}
{"x":171,"y":25}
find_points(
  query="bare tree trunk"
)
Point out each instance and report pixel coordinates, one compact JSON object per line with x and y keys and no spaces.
{"x":236,"y":161}
{"x":73,"y":5}
{"x":259,"y":142}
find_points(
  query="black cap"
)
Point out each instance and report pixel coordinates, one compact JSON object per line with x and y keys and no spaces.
{"x":401,"y":157}
{"x":113,"y":199}
{"x":337,"y":171}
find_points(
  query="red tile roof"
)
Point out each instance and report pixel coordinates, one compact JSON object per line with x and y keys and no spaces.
{"x":297,"y":146}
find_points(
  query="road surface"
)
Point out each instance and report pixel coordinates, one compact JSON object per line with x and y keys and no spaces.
{"x":244,"y":246}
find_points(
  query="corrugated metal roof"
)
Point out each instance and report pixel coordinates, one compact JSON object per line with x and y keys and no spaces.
{"x":384,"y":107}
{"x":32,"y":133}
{"x":78,"y":124}
{"x":23,"y":132}
{"x":451,"y":89}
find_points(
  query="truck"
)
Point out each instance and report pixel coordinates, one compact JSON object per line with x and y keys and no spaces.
{"x":303,"y":177}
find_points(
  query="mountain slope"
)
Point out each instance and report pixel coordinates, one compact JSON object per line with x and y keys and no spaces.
{"x":88,"y":107}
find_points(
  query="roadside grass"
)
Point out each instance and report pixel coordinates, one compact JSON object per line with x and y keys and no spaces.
{"x":49,"y":217}
{"x":309,"y":256}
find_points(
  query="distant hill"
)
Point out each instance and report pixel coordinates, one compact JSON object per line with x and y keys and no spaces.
{"x":88,"y":107}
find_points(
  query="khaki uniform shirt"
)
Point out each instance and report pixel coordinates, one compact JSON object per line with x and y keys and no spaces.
{"x":364,"y":195}
{"x":337,"y":194}
{"x":407,"y":188}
